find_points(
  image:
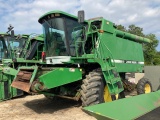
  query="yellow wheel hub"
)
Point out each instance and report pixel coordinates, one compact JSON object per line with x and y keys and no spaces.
{"x":107,"y":96}
{"x":147,"y":88}
{"x":117,"y":96}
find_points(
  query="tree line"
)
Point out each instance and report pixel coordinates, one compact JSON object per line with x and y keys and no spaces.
{"x":151,"y":55}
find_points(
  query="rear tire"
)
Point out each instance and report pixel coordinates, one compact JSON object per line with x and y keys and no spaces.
{"x":144,"y":86}
{"x":92,"y":89}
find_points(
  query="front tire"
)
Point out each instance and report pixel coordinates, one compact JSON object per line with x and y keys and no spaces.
{"x":144,"y":86}
{"x":93,"y":89}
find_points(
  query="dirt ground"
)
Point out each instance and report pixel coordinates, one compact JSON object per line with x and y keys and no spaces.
{"x":37,"y":107}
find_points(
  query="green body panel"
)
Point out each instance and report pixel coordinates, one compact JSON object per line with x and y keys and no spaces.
{"x":125,"y":109}
{"x":6,"y":61}
{"x":9,"y":71}
{"x":123,"y":49}
{"x":6,"y":77}
{"x":23,"y":60}
{"x":60,"y":76}
{"x":57,"y":12}
{"x":129,"y":67}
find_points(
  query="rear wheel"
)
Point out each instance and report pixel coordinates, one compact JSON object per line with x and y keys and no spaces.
{"x":93,"y":89}
{"x":144,"y":86}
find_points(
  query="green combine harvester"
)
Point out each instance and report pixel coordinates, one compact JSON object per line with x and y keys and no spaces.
{"x":84,"y":60}
{"x":9,"y":45}
{"x":14,"y":49}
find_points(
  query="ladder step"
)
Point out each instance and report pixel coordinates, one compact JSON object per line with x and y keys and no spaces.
{"x":114,"y":80}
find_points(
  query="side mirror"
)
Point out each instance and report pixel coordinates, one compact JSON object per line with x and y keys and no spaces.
{"x":81,"y":16}
{"x":12,"y":33}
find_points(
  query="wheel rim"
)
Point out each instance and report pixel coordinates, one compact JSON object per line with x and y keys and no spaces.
{"x":147,"y":88}
{"x":107,"y":96}
{"x":117,"y":95}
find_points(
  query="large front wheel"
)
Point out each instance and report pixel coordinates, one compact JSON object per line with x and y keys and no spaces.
{"x":94,"y":90}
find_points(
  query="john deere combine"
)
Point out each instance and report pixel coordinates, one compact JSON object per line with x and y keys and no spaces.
{"x":14,"y":50}
{"x":84,"y":60}
{"x":9,"y":45}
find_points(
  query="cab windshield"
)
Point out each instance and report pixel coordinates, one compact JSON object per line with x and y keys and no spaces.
{"x":11,"y":47}
{"x":14,"y":44}
{"x":59,"y":35}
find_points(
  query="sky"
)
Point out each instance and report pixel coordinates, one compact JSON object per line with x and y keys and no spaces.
{"x":24,"y":14}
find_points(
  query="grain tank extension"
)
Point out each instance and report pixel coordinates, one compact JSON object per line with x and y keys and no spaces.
{"x":84,"y":60}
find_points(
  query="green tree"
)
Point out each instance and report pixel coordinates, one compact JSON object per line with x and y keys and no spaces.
{"x":135,"y":30}
{"x":156,"y":60}
{"x":122,"y":28}
{"x":150,"y":52}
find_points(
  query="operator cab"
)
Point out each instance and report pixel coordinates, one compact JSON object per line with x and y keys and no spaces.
{"x":61,"y":31}
{"x":10,"y":47}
